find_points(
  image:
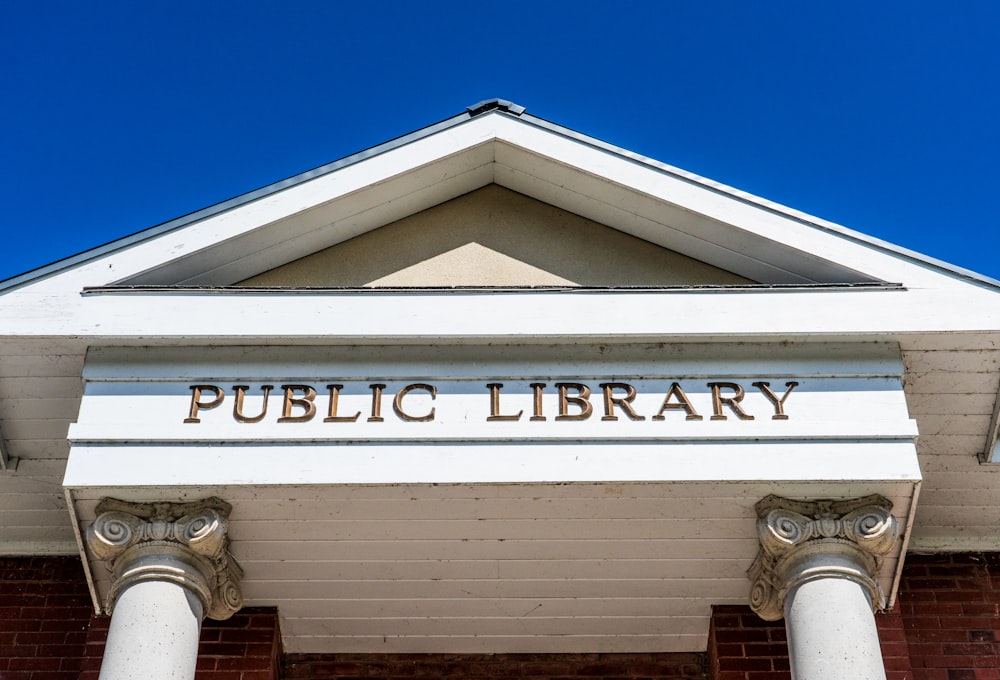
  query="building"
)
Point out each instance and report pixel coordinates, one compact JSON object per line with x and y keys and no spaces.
{"x":497,"y":399}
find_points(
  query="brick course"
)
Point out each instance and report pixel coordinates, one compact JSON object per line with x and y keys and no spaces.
{"x":945,"y":626}
{"x":950,"y":607}
{"x":45,"y":613}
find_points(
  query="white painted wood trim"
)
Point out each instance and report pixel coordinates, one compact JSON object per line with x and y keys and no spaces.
{"x":513,"y":317}
{"x":81,"y":550}
{"x":116,"y":466}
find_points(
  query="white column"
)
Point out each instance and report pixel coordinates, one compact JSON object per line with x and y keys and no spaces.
{"x":170,"y":567}
{"x":818,"y":567}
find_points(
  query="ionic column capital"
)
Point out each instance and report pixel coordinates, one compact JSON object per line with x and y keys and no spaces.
{"x":805,"y":540}
{"x":182,"y":543}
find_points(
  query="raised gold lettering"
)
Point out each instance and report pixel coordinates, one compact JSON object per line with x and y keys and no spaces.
{"x":197,"y":404}
{"x":582,"y":400}
{"x":495,"y":405}
{"x":574,"y":401}
{"x":376,"y":416}
{"x":397,"y":403}
{"x":733,"y":402}
{"x":779,"y":404}
{"x":238,"y":404}
{"x":306,"y":401}
{"x":625,"y":403}
{"x":331,"y":416}
{"x":536,"y":412}
{"x":682,"y":403}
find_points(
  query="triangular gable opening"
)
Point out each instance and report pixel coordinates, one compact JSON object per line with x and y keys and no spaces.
{"x":495,"y":237}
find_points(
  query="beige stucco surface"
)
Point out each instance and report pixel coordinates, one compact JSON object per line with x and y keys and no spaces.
{"x":495,"y":237}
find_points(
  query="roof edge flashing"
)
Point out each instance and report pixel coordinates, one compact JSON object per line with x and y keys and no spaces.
{"x":488,"y":105}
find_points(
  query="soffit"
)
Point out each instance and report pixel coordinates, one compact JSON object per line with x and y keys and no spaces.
{"x":496,"y":568}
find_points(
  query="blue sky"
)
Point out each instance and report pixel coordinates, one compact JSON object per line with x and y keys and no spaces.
{"x":883,"y":117}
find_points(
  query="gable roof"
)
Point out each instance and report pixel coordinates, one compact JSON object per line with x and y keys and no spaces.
{"x":496,"y":141}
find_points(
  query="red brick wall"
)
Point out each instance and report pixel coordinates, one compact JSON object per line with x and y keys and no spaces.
{"x":895,"y":650}
{"x":48,"y":630}
{"x":245,"y":647}
{"x":742,"y":646}
{"x":945,"y":626}
{"x":44,"y":614}
{"x":483,"y":666}
{"x":950,"y":607}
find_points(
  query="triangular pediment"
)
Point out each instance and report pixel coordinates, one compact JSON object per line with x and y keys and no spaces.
{"x":494,"y":237}
{"x":404,"y":214}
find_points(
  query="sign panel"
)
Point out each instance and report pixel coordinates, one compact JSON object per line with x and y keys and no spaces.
{"x":204,"y":417}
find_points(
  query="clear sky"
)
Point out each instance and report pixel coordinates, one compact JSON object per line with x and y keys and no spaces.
{"x":881,"y":116}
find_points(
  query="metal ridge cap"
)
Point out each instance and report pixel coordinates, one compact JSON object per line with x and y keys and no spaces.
{"x":495,"y":104}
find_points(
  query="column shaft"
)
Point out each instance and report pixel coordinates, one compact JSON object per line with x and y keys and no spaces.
{"x":154,"y":633}
{"x":831,"y":632}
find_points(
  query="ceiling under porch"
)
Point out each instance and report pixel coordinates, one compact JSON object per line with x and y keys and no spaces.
{"x":490,"y":568}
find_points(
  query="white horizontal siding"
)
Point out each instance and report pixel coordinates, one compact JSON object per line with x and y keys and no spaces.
{"x":535,"y":569}
{"x":41,"y":365}
{"x":497,"y":549}
{"x":54,"y":387}
{"x":951,"y":424}
{"x":934,"y":404}
{"x":501,"y":530}
{"x":608,"y":626}
{"x":954,"y":382}
{"x":952,"y":395}
{"x":977,"y":361}
{"x":39,"y":397}
{"x":523,"y":643}
{"x":53,"y":408}
{"x":949,"y":449}
{"x":587,"y":596}
{"x":36,"y":428}
{"x":499,"y":567}
{"x":538,"y":603}
{"x":35,"y":520}
{"x":42,"y":449}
